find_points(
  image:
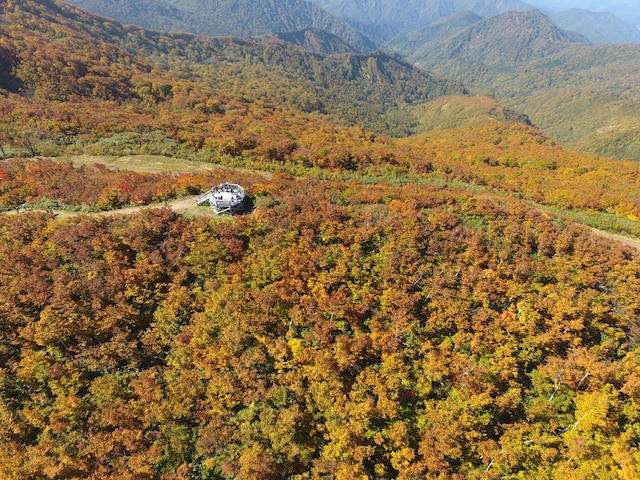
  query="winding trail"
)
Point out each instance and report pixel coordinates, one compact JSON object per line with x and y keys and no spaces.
{"x":187,"y":206}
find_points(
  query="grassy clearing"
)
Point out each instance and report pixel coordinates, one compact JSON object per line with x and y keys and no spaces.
{"x":141,"y":163}
{"x":603,"y":221}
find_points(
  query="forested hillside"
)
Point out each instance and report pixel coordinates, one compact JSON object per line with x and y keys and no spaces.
{"x":83,"y":89}
{"x":411,"y":42}
{"x":342,"y":330}
{"x":316,"y":41}
{"x":510,"y":55}
{"x":200,"y":79}
{"x":505,"y":42}
{"x":393,"y":308}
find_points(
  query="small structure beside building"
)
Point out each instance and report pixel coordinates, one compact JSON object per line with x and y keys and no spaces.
{"x":224,"y":198}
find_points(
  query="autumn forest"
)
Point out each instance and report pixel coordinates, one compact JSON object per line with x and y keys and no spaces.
{"x":397,"y":303}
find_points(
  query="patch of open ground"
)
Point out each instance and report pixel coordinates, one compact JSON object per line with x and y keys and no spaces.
{"x":142,"y":163}
{"x":152,"y":164}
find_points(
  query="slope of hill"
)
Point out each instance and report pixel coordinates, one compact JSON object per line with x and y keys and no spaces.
{"x":55,"y":53}
{"x":228,"y":17}
{"x":450,"y":112}
{"x":316,"y":41}
{"x":598,"y":27}
{"x":342,"y":331}
{"x":585,"y":96}
{"x":409,"y":43}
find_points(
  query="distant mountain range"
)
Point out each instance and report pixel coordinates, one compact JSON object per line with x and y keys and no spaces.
{"x":411,"y":14}
{"x":503,"y":42}
{"x":629,"y":10}
{"x":409,"y":43}
{"x":363,"y":25}
{"x":598,"y":27}
{"x":586,"y":96}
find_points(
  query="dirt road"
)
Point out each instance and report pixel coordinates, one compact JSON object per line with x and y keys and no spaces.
{"x":631,"y":242}
{"x":185,"y":205}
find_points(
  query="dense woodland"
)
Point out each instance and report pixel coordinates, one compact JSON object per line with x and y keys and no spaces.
{"x":393,"y":308}
{"x":341,"y":330}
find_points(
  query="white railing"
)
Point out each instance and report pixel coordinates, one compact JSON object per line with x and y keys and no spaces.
{"x":204,"y":198}
{"x":223,"y":198}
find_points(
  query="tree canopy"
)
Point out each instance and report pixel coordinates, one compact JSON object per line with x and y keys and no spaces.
{"x":341,"y":330}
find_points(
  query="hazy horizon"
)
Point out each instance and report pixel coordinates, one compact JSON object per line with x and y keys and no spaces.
{"x":627,"y":11}
{"x":594,"y":5}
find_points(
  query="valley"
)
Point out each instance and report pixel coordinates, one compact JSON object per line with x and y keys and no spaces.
{"x":571,"y":71}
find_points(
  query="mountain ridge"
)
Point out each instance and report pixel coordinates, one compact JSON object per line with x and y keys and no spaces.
{"x":164,"y":80}
{"x":504,"y":41}
{"x":228,"y":18}
{"x":315,"y":41}
{"x":413,"y":40}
